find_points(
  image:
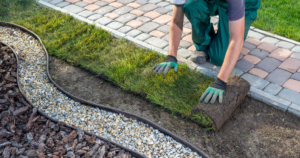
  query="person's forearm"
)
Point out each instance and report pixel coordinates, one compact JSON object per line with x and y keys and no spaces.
{"x":231,"y":57}
{"x":176,"y":26}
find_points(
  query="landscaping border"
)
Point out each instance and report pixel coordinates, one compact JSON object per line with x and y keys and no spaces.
{"x":126,"y":114}
{"x":275,"y":101}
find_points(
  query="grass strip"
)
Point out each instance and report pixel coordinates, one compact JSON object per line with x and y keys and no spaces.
{"x":124,"y":63}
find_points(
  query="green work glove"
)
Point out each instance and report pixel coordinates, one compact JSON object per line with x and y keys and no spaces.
{"x":170,"y":62}
{"x":215,"y":90}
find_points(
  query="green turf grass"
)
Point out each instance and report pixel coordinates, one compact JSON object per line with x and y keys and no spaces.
{"x":122,"y":62}
{"x":281,"y":17}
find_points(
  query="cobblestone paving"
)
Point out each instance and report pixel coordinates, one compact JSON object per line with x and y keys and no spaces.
{"x":269,"y":63}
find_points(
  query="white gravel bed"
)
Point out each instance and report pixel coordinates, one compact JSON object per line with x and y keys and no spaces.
{"x":130,"y":133}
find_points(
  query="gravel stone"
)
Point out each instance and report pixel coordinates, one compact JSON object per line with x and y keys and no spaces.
{"x":35,"y":83}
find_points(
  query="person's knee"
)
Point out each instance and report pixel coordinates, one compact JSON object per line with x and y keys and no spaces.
{"x":217,"y":60}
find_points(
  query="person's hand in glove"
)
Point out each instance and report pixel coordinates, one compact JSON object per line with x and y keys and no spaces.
{"x":170,"y":62}
{"x":215,"y":90}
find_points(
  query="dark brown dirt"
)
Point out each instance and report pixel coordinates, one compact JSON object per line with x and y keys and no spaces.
{"x":25,"y":133}
{"x":255,"y":130}
{"x":236,"y":91}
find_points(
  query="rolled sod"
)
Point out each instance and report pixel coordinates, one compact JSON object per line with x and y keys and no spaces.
{"x":218,"y":113}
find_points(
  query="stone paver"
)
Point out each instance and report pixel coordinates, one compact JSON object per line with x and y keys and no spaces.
{"x":290,"y":64}
{"x":285,"y":45}
{"x":148,"y":7}
{"x":163,"y":4}
{"x":90,"y":1}
{"x":72,"y":1}
{"x":249,"y":46}
{"x":134,"y":23}
{"x":259,"y":53}
{"x":161,"y":10}
{"x":255,"y":35}
{"x":252,"y":59}
{"x":152,"y":14}
{"x":157,"y":34}
{"x":188,"y":25}
{"x":245,"y":51}
{"x":86,"y":13}
{"x":63,"y":4}
{"x":290,"y":95}
{"x":154,"y":1}
{"x":92,"y":7}
{"x":166,"y":37}
{"x":296,"y":56}
{"x":157,"y":42}
{"x":296,"y":76}
{"x":73,"y":8}
{"x":186,"y":31}
{"x":94,"y":17}
{"x":105,"y":10}
{"x":240,"y":57}
{"x":104,"y":20}
{"x":143,"y":36}
{"x":253,"y":41}
{"x":255,"y":81}
{"x":123,"y":10}
{"x":81,"y":4}
{"x":278,"y":76}
{"x":125,"y":1}
{"x":258,"y":72}
{"x":268,"y":64}
{"x":134,"y":5}
{"x":125,"y":29}
{"x":54,"y":2}
{"x":137,"y":12}
{"x":148,"y":27}
{"x":112,"y":15}
{"x":280,"y":54}
{"x":267,"y":47}
{"x":270,"y":40}
{"x":115,"y":25}
{"x":109,"y":1}
{"x":294,"y":109}
{"x":141,"y":2}
{"x":164,"y":29}
{"x":125,"y":18}
{"x":134,"y":33}
{"x":184,"y":44}
{"x":116,"y":4}
{"x":163,"y":19}
{"x":144,"y":19}
{"x":188,"y":38}
{"x":101,"y":3}
{"x":170,"y":7}
{"x":292,"y":84}
{"x":296,"y":49}
{"x":244,"y":65}
{"x":273,"y":88}
{"x":184,"y":53}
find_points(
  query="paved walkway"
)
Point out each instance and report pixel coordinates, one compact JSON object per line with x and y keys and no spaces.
{"x":269,"y":62}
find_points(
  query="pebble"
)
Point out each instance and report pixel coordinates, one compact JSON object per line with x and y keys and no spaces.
{"x":125,"y":131}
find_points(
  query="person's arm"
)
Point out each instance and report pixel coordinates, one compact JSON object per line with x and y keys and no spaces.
{"x":176,"y":26}
{"x":236,"y":31}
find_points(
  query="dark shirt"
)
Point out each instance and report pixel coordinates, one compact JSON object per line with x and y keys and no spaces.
{"x":236,"y":9}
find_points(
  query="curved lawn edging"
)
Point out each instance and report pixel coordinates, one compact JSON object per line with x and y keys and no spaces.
{"x":133,"y":116}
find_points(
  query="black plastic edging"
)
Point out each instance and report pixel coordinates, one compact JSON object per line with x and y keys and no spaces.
{"x":133,"y":153}
{"x":127,"y":114}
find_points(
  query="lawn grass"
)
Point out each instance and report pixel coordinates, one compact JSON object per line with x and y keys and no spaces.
{"x":122,"y":62}
{"x":281,"y":17}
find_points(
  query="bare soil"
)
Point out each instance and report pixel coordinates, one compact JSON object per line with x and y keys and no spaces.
{"x":255,"y":129}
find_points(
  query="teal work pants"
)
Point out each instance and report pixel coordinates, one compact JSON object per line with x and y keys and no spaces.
{"x":204,"y":37}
